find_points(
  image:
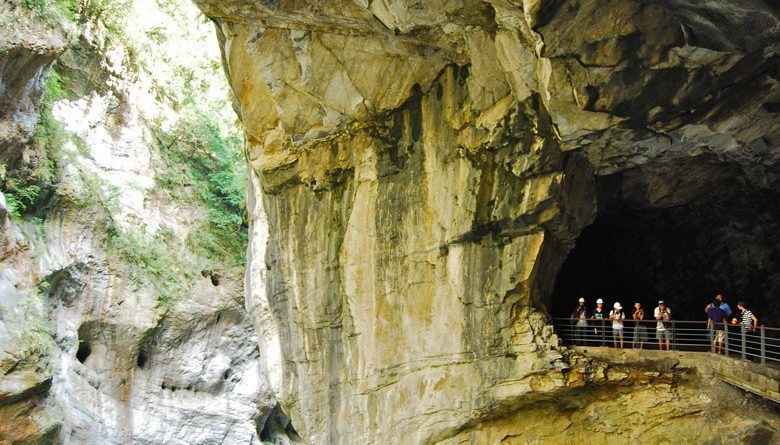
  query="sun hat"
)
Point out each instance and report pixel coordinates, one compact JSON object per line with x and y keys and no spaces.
{"x":582,"y":300}
{"x":660,"y":301}
{"x":599,"y":301}
{"x":618,"y":306}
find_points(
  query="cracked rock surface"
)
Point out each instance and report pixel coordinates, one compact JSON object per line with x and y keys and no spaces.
{"x":425,"y":167}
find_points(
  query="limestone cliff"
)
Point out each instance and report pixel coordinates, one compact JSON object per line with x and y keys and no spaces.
{"x":122,"y":315}
{"x":425,"y":168}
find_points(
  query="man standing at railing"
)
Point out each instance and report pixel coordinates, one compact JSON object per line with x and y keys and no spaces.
{"x":639,"y":330}
{"x":663,"y":329}
{"x":599,"y":316}
{"x":581,"y":315}
{"x":723,"y":305}
{"x":715,"y":319}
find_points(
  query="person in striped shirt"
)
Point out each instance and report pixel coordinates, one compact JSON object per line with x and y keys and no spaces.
{"x":749,"y":324}
{"x":749,"y":321}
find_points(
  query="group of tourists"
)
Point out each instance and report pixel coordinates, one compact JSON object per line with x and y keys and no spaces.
{"x":718,"y":313}
{"x":662,"y":314}
{"x":588,"y":324}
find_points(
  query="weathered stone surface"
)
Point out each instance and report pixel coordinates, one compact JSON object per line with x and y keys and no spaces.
{"x":89,"y":351}
{"x":28,"y":45}
{"x":426,"y":167}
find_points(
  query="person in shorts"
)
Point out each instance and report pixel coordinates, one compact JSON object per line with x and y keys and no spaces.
{"x":716,"y":317}
{"x":580,"y":318}
{"x":663,"y":329}
{"x":640,"y":333}
{"x":617,"y":316}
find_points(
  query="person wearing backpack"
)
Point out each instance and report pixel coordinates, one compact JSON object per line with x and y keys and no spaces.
{"x":715,"y":322}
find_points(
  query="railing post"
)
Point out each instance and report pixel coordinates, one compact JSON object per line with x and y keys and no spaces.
{"x":726,"y":339}
{"x":603,"y":333}
{"x":674,"y":337}
{"x":763,"y":346}
{"x":744,"y":342}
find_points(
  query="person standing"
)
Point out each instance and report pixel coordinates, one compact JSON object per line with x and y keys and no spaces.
{"x":748,"y":325}
{"x":723,"y":305}
{"x":580,"y":315}
{"x":617,"y":316}
{"x":599,"y":316}
{"x":640,"y":334}
{"x":663,"y":329}
{"x":715,"y":319}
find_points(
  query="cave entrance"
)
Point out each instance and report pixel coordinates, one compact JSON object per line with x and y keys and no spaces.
{"x":723,"y":239}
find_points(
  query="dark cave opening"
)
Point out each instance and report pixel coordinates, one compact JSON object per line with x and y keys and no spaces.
{"x":278,"y":426}
{"x":83,"y":351}
{"x":683,"y":254}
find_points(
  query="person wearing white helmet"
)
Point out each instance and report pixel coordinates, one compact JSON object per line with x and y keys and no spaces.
{"x":580,"y":314}
{"x":599,"y":316}
{"x":663,"y":329}
{"x":617,"y":316}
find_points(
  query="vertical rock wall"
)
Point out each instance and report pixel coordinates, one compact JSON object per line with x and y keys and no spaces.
{"x":113,"y":327}
{"x":425,"y":168}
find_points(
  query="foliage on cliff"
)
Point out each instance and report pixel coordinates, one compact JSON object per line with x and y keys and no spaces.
{"x":198,"y":156}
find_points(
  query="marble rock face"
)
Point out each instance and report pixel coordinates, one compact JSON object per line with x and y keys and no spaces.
{"x":89,"y":353}
{"x":425,"y":167}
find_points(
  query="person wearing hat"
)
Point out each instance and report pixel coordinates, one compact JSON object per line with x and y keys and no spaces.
{"x":599,"y":316}
{"x":617,"y":316}
{"x":580,"y":314}
{"x":663,"y":331}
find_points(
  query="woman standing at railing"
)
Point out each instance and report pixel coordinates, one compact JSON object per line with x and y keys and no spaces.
{"x":617,"y":316}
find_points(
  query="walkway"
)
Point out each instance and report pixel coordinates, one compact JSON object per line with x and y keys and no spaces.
{"x":751,"y":360}
{"x":753,"y":377}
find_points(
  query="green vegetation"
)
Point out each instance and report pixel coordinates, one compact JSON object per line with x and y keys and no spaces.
{"x":153,"y":261}
{"x":35,"y":339}
{"x":196,"y":156}
{"x":24,"y":185}
{"x":53,"y":10}
{"x":198,"y":162}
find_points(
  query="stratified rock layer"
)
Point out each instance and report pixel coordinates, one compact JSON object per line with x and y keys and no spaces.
{"x":426,"y":167}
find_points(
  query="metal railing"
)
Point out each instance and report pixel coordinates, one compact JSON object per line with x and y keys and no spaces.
{"x":761,"y":345}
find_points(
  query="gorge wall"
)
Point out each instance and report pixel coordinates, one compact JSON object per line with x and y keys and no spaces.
{"x":122,"y":316}
{"x":426,"y":167}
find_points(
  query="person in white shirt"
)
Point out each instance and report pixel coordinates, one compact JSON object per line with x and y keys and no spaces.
{"x":663,"y":330}
{"x":617,"y":316}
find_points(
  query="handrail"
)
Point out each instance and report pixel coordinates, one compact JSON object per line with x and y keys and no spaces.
{"x":761,"y":344}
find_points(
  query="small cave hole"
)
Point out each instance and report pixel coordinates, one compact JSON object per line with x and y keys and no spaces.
{"x":278,"y":426}
{"x":142,"y":359}
{"x":228,"y":372}
{"x":83,"y":352}
{"x":215,"y":279}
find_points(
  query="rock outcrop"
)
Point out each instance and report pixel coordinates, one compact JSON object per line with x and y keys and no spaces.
{"x":425,"y":167}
